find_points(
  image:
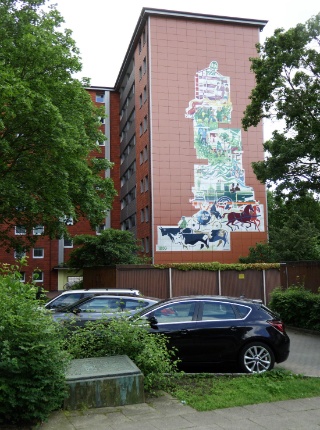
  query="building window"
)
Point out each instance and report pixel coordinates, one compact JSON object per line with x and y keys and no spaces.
{"x":144,"y":65}
{"x":140,"y":100}
{"x":145,"y":123}
{"x":38,"y":253}
{"x":146,"y":214}
{"x":145,"y":153}
{"x":140,"y":73}
{"x":22,"y":276}
{"x":19,"y":254}
{"x":142,"y":215}
{"x":100,"y":228}
{"x":20,"y":230}
{"x":144,"y":38}
{"x":100,"y":98}
{"x":141,"y":129}
{"x":67,"y":243}
{"x":140,"y":45}
{"x":37,"y":276}
{"x":141,"y":186}
{"x":129,"y":223}
{"x":145,"y":94}
{"x":68,"y":220}
{"x":146,"y":244}
{"x":38,"y":230}
{"x":146,"y":183}
{"x":102,"y":120}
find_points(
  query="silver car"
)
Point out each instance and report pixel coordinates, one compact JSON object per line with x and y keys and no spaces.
{"x":68,"y":298}
{"x":102,"y":306}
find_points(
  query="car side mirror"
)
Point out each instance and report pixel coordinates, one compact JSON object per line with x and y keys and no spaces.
{"x":152,"y":320}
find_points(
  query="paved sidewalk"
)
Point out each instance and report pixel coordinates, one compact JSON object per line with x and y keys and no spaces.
{"x":166,"y":413}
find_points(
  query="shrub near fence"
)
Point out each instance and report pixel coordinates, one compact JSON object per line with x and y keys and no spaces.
{"x":297,"y":306}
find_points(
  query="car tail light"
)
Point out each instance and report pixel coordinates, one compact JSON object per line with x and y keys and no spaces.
{"x":277,"y":325}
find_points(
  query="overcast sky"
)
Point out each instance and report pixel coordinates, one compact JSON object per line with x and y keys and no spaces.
{"x":102,"y":29}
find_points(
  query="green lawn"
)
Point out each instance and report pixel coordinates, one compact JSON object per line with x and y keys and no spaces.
{"x":205,"y":392}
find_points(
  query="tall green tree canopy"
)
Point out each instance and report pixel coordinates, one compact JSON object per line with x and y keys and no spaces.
{"x":109,"y":248}
{"x":287,"y":88}
{"x":48,"y":127}
{"x":294,"y":231}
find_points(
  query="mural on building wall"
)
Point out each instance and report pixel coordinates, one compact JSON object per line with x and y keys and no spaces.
{"x":222,"y":201}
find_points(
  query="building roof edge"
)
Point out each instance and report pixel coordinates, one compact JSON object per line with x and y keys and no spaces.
{"x":147,"y":12}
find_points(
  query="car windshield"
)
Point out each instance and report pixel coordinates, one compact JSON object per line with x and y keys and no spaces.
{"x":141,"y":313}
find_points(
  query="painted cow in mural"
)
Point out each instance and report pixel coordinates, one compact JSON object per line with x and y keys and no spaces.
{"x":219,"y":235}
{"x":171,"y":232}
{"x":192,"y":239}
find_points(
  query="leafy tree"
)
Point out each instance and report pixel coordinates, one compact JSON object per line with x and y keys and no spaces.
{"x":32,"y":360}
{"x":109,"y":248}
{"x":48,"y":127}
{"x":287,"y":88}
{"x":294,"y":231}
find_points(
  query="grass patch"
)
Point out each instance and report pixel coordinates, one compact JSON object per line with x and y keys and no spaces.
{"x":206,"y":392}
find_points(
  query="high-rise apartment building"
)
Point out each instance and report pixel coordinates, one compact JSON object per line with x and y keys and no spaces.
{"x":182,"y":162}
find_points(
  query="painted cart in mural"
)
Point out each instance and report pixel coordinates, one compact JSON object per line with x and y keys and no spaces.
{"x":222,"y":201}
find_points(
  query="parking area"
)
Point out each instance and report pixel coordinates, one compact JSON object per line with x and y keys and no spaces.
{"x":304,"y":355}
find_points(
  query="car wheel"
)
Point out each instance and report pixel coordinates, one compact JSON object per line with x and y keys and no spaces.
{"x":256,"y":357}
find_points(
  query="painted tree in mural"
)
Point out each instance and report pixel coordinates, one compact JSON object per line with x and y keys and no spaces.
{"x":48,"y":127}
{"x":288,"y":89}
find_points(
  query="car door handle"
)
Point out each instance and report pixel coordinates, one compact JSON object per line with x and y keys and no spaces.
{"x":233,"y":328}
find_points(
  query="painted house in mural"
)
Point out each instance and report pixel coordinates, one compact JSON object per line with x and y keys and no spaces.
{"x":182,"y":162}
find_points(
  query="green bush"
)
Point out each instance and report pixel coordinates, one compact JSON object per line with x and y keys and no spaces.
{"x":32,"y":361}
{"x":124,"y":337}
{"x":297,"y":306}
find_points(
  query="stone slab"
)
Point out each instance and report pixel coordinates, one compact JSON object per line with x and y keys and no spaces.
{"x":102,"y":382}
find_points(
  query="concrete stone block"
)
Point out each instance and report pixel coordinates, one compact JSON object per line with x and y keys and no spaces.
{"x":103,"y":381}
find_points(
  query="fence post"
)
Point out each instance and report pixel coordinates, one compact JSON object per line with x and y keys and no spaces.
{"x":170,"y":283}
{"x":264,"y":287}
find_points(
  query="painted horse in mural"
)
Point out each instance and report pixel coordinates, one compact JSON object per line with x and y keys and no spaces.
{"x":244,"y":217}
{"x":254,"y":217}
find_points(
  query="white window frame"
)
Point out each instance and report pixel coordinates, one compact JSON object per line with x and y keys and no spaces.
{"x":20,"y":233}
{"x":39,"y":277}
{"x":36,"y":256}
{"x":19,"y":254}
{"x":67,"y":246}
{"x":38,"y":230}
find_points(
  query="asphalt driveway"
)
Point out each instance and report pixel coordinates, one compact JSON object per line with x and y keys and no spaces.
{"x":304,"y":357}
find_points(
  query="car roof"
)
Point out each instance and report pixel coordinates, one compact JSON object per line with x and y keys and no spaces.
{"x":239,"y":300}
{"x":117,"y":297}
{"x":116,"y":291}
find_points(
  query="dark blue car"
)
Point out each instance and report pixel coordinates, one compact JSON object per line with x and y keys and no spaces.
{"x":215,"y":329}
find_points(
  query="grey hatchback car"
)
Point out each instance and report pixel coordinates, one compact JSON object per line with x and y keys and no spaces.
{"x":97,"y":307}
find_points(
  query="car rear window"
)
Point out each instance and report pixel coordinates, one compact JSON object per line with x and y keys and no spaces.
{"x":243,"y":311}
{"x":217,"y":311}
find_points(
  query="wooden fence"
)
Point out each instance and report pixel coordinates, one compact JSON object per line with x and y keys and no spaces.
{"x":169,"y":282}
